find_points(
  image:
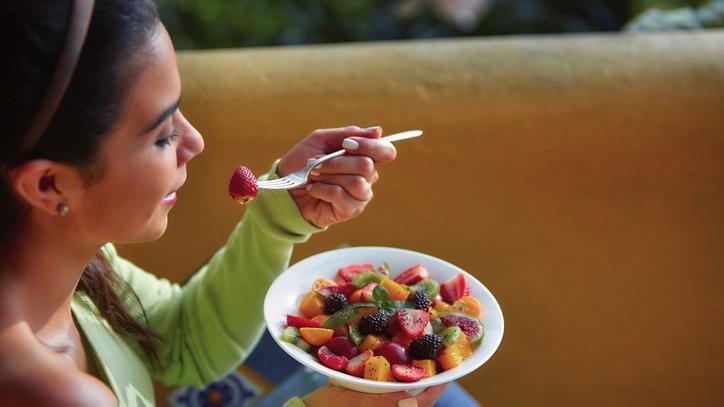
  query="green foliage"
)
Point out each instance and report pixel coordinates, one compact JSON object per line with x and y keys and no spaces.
{"x":244,"y":23}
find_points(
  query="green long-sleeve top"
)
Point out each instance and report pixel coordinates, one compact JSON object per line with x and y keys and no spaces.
{"x":208,"y":325}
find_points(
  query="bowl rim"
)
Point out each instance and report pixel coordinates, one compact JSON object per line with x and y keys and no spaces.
{"x":358,"y":382}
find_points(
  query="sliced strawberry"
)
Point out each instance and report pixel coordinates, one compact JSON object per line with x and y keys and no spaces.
{"x":366,"y":293}
{"x":413,"y":321}
{"x":413,"y":275}
{"x":407,"y":373}
{"x":345,"y":275}
{"x":331,"y":360}
{"x":345,"y":289}
{"x":394,"y":327}
{"x":356,"y":365}
{"x":383,"y":270}
{"x":454,"y":288}
{"x":301,"y":322}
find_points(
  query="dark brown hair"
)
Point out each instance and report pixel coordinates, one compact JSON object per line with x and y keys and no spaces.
{"x":32,"y":34}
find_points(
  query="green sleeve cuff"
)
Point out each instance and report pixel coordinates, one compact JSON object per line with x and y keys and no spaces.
{"x":279,"y":212}
{"x":295,"y":402}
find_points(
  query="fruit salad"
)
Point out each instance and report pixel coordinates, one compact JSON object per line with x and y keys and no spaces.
{"x":401,"y":329}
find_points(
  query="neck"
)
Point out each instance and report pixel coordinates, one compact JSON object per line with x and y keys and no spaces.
{"x":43,"y":268}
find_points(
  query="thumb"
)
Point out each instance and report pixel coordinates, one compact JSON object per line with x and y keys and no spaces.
{"x":430,"y":396}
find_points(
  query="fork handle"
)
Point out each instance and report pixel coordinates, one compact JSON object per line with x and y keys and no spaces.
{"x":391,"y":138}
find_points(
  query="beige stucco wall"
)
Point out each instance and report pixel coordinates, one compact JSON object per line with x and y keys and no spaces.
{"x":581,"y":178}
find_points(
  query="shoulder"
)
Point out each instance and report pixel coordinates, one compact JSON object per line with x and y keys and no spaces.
{"x":31,"y":376}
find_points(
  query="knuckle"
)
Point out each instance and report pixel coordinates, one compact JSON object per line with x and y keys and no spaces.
{"x":351,"y":128}
{"x":358,"y":182}
{"x":367,"y":166}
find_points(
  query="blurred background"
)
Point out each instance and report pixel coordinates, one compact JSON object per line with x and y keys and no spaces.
{"x":196,"y":24}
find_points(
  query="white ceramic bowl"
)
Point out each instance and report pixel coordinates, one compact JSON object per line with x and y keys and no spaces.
{"x":287,"y":291}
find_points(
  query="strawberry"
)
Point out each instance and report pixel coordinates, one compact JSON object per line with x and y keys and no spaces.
{"x":367,"y":292}
{"x":407,"y":373}
{"x":413,"y":275}
{"x":242,"y":186}
{"x":356,"y":365}
{"x":301,"y":322}
{"x":344,"y":289}
{"x":413,"y":321}
{"x":345,"y":275}
{"x":331,"y":360}
{"x":454,"y":288}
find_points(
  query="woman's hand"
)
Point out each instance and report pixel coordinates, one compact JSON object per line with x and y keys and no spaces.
{"x":340,"y":397}
{"x":342,"y":187}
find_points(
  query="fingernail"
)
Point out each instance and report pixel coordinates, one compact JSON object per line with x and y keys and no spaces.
{"x":372,"y":128}
{"x":409,"y":402}
{"x":350,"y":144}
{"x":318,"y":167}
{"x":314,"y":173}
{"x":309,"y":187}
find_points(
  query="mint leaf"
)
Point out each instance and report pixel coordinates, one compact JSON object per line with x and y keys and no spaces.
{"x":380,"y":295}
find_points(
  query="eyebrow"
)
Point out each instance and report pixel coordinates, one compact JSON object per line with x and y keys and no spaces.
{"x":165,"y":115}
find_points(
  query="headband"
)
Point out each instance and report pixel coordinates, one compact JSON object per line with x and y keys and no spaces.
{"x":69,"y":54}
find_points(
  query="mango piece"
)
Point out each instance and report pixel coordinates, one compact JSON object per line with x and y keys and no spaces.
{"x":450,"y":357}
{"x":464,"y":346}
{"x":312,"y":305}
{"x":397,"y":291}
{"x":442,"y":306}
{"x":378,"y":368}
{"x":356,"y":296}
{"x":468,"y":305}
{"x":316,"y":336}
{"x":371,"y":342}
{"x":427,"y":364}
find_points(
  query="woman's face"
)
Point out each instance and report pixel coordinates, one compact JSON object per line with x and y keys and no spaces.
{"x":144,"y":158}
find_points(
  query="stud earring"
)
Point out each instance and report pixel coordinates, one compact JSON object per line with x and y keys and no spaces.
{"x":63,"y":209}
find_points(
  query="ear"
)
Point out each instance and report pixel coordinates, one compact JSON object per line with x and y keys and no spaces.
{"x":36,"y":182}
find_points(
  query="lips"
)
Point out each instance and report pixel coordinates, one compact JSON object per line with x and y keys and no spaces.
{"x":170,"y":199}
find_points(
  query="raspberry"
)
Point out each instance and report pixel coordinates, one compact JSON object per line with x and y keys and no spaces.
{"x":426,"y":347}
{"x":334,"y":303}
{"x":420,"y":300}
{"x":373,"y":324}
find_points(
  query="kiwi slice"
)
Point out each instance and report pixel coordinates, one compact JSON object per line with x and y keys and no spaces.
{"x":291,"y":334}
{"x":437,"y":326}
{"x":340,"y":317}
{"x":367,"y":277}
{"x":355,"y":335}
{"x":428,"y":286}
{"x":450,"y":335}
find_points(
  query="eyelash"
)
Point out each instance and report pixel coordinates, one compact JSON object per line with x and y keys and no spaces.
{"x":168,"y":140}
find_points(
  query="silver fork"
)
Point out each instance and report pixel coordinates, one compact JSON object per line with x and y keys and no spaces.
{"x":300,"y":177}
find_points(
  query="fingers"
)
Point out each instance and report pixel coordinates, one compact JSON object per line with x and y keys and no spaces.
{"x":430,"y":396}
{"x":356,"y":186}
{"x":353,"y":164}
{"x":378,"y":150}
{"x":343,"y":203}
{"x":333,"y":137}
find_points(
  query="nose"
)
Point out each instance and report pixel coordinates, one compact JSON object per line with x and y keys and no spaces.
{"x":192,"y":143}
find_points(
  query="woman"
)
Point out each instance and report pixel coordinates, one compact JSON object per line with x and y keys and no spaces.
{"x":94,"y":150}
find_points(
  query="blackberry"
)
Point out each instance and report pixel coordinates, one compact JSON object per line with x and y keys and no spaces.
{"x":426,"y":347}
{"x":334,"y":303}
{"x":373,"y":324}
{"x":420,"y":300}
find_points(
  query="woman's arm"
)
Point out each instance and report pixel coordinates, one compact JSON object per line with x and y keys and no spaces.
{"x":213,"y":322}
